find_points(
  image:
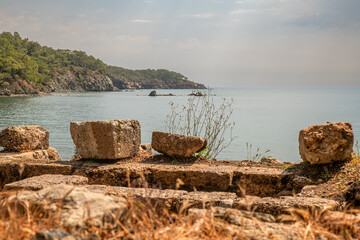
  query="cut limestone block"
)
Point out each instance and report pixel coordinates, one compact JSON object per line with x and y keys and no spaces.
{"x":24,"y":138}
{"x":48,"y":155}
{"x":112,"y":139}
{"x":177,"y":145}
{"x":326,"y":143}
{"x":46,"y":180}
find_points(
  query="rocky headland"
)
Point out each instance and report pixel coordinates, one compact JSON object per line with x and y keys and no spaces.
{"x":27,"y":68}
{"x":117,"y":187}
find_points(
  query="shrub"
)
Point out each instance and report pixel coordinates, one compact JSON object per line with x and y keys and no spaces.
{"x":202,"y":117}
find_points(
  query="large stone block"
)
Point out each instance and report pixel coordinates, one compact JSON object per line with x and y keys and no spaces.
{"x":24,"y":138}
{"x":326,"y":143}
{"x":177,"y":145}
{"x":111,"y":139}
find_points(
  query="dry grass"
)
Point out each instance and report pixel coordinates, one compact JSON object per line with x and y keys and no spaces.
{"x":326,"y":223}
{"x":144,"y":220}
{"x":152,"y":220}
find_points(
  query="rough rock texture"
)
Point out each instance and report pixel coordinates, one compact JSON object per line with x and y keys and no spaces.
{"x":177,"y":145}
{"x":277,"y":206}
{"x":234,"y":216}
{"x":77,"y":205}
{"x":46,"y":180}
{"x":172,"y":198}
{"x":253,"y":225}
{"x":326,"y":143}
{"x":11,"y":171}
{"x":146,"y":147}
{"x":260,"y":181}
{"x":112,"y":139}
{"x":49,"y":154}
{"x":24,"y":138}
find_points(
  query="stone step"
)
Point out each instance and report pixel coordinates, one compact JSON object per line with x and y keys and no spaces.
{"x":253,"y":225}
{"x":46,"y":180}
{"x":256,"y":181}
{"x":281,"y":205}
{"x":175,"y":198}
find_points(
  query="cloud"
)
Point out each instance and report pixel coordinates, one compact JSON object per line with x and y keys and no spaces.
{"x":141,"y":21}
{"x":136,"y":38}
{"x":202,"y":15}
{"x":190,"y":43}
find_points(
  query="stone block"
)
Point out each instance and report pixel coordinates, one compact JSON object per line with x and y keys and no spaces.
{"x":111,"y":139}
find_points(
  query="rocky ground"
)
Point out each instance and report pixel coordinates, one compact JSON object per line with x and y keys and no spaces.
{"x":156,"y":197}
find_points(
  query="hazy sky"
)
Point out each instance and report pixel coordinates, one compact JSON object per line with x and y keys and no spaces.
{"x":238,"y":43}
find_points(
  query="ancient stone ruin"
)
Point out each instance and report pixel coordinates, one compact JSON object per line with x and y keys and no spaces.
{"x":27,"y":142}
{"x":113,"y":139}
{"x":235,"y":191}
{"x":177,"y":145}
{"x":326,"y":143}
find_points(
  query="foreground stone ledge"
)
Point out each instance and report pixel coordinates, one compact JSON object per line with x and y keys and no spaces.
{"x":172,"y":198}
{"x":11,"y":171}
{"x":191,"y":177}
{"x":46,"y":180}
{"x":260,"y":181}
{"x":254,"y":225}
{"x":78,"y":205}
{"x":277,"y":206}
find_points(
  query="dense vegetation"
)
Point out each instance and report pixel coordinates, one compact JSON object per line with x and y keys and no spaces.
{"x":22,"y":59}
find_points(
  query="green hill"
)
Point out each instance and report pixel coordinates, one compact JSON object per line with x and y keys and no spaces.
{"x":27,"y":67}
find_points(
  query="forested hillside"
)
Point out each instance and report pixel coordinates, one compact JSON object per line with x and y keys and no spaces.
{"x":27,"y":67}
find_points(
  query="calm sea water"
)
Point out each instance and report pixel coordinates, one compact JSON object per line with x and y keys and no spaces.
{"x":268,"y":119}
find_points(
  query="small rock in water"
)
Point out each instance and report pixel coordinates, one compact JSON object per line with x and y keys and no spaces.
{"x":153,"y":94}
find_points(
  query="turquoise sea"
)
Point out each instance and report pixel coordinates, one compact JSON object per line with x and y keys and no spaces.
{"x":267,"y":119}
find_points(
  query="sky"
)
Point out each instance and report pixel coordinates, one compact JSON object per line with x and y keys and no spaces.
{"x":234,"y":43}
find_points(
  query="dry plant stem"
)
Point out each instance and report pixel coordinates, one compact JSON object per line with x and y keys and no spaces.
{"x":201,"y":117}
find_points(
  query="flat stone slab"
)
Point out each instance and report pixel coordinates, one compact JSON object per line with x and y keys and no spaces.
{"x":200,"y":177}
{"x":260,"y":181}
{"x":172,"y":198}
{"x":190,"y":177}
{"x":77,"y":205}
{"x":12,"y":171}
{"x":281,"y":205}
{"x":49,"y":154}
{"x":253,"y":225}
{"x":46,"y":180}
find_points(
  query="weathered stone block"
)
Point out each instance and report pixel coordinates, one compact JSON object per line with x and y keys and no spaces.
{"x":177,"y":145}
{"x":326,"y":143}
{"x":24,"y":138}
{"x":46,"y":180}
{"x":112,"y":139}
